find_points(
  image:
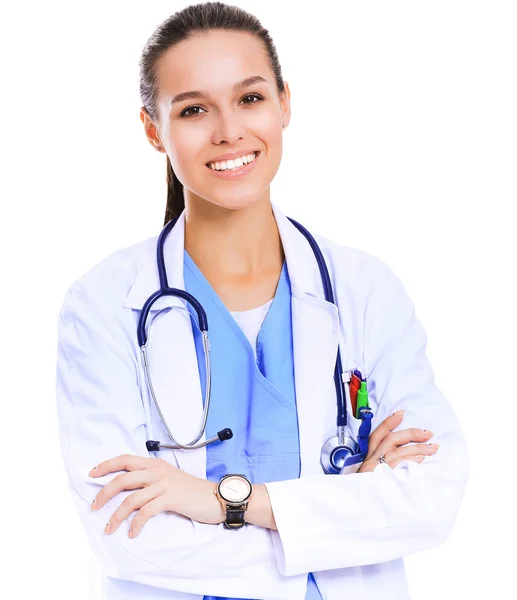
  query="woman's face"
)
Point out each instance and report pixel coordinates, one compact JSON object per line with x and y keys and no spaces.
{"x":197,"y":130}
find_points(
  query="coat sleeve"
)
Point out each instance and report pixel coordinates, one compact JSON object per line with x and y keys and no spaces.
{"x":368,"y":518}
{"x":101,"y":416}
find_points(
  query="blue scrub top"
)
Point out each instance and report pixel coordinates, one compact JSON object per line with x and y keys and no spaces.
{"x":256,"y":399}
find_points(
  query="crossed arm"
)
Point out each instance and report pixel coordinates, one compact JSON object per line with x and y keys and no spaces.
{"x":383,"y":514}
{"x":163,"y":487}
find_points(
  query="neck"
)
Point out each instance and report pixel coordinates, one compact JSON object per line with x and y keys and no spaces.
{"x":233,"y":243}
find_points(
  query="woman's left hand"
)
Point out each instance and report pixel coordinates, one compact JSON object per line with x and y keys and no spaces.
{"x":164,"y":488}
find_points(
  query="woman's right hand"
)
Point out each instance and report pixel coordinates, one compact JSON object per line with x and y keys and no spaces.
{"x":392,"y":444}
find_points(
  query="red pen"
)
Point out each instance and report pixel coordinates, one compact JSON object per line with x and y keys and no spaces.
{"x":355,"y":385}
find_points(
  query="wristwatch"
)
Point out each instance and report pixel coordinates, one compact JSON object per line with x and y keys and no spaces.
{"x":234,"y":492}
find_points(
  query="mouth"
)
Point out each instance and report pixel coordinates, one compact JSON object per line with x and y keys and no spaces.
{"x":239,"y":168}
{"x":236,"y":172}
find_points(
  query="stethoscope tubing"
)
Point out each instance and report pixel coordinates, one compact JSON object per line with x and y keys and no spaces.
{"x":329,"y":297}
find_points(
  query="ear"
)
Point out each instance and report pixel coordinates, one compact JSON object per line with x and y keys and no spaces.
{"x":285,"y":104}
{"x":151,"y":130}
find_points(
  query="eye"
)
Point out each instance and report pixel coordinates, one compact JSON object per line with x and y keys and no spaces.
{"x":257,"y":96}
{"x":184,"y":112}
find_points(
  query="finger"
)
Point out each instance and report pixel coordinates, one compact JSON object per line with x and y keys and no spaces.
{"x":382,"y":431}
{"x":409,"y":452}
{"x":400,"y":438}
{"x":131,"y":503}
{"x":414,"y":457}
{"x":109,"y":466}
{"x":124,"y":462}
{"x":412,"y":434}
{"x":402,"y":451}
{"x":124,"y":481}
{"x":151,"y":509}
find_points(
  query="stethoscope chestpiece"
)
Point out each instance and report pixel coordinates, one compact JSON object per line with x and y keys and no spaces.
{"x":334,"y":454}
{"x":342,"y":451}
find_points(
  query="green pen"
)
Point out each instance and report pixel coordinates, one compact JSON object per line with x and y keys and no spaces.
{"x":362,"y":399}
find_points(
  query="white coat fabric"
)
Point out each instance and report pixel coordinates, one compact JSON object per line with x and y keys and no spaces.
{"x":352,"y":531}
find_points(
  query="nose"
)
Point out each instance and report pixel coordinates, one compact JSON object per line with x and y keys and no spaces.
{"x":230,"y":128}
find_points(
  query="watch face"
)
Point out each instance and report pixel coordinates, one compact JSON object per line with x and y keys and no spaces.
{"x":234,"y":489}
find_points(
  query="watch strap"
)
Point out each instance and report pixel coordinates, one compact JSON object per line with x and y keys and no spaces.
{"x":235,"y":516}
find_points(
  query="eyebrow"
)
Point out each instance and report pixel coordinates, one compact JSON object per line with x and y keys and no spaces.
{"x":203,"y":94}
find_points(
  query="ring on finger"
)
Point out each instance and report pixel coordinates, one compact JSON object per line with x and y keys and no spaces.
{"x":382,"y":458}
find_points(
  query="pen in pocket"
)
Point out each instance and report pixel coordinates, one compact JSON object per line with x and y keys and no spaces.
{"x":362,"y":398}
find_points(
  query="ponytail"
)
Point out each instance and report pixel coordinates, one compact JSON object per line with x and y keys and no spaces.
{"x":175,"y":198}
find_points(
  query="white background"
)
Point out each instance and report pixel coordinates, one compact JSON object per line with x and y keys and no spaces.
{"x":402,"y":143}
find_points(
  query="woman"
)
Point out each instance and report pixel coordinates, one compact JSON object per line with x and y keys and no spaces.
{"x":212,"y":89}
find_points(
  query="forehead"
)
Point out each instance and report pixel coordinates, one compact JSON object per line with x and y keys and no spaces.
{"x":211,"y":61}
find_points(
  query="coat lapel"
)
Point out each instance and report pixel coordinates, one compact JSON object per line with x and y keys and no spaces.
{"x":173,"y":360}
{"x":315,"y":340}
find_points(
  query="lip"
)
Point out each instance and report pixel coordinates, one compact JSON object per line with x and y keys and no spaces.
{"x":232,"y":155}
{"x":237,"y":173}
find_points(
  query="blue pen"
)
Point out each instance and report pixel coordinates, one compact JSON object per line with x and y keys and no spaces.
{"x":357,"y":373}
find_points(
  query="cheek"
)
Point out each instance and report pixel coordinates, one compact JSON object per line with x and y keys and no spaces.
{"x":186,"y":152}
{"x":273,"y":144}
{"x":269,"y":129}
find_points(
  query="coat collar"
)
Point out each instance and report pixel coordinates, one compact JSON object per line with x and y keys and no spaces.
{"x":173,"y":360}
{"x":298,"y":255}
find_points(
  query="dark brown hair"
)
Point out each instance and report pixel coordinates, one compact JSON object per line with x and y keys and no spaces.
{"x":204,"y":17}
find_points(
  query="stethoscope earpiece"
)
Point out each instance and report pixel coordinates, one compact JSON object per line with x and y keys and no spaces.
{"x":224,"y":434}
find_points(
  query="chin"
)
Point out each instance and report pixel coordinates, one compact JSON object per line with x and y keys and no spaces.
{"x":238,"y":202}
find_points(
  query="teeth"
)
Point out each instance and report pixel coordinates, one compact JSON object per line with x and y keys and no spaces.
{"x":233,"y":164}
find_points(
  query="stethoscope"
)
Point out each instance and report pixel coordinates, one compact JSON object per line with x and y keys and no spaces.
{"x":338,"y":453}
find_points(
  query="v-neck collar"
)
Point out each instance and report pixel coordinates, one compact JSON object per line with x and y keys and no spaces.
{"x":219,"y":304}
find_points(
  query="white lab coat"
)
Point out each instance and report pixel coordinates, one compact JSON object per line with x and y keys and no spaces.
{"x":352,"y":531}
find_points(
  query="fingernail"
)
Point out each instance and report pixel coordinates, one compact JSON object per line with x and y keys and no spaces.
{"x":399,"y":412}
{"x":434,"y":445}
{"x":92,"y":471}
{"x":107,"y":528}
{"x":130,"y":533}
{"x":426,"y":432}
{"x":93,"y":504}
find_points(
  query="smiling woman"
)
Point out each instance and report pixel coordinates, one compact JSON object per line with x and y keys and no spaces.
{"x":241,"y":98}
{"x":280,"y":305}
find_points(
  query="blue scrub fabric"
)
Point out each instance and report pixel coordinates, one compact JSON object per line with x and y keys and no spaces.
{"x":255,"y":399}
